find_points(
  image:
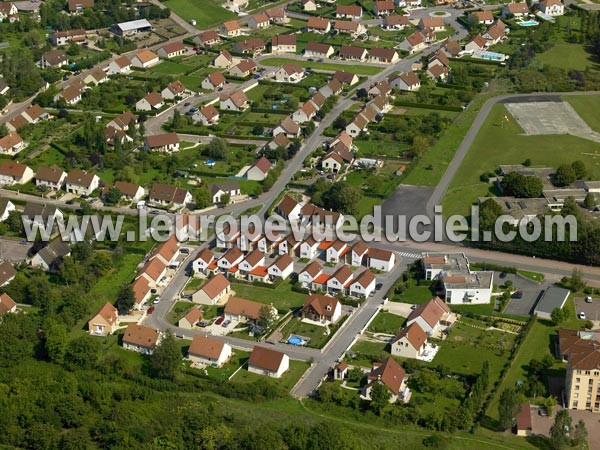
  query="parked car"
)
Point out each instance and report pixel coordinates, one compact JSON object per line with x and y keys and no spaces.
{"x":517,"y":294}
{"x":588,"y":299}
{"x":581,"y":315}
{"x":185,"y":250}
{"x":150,"y":310}
{"x":378,"y":286}
{"x":153,"y":291}
{"x":219,"y":320}
{"x":226,"y":323}
{"x":156,"y":300}
{"x":502,"y":274}
{"x":413,"y":307}
{"x":202,"y":324}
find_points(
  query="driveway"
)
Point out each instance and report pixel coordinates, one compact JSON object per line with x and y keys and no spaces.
{"x":398,"y":308}
{"x":531,"y":293}
{"x":541,"y":424}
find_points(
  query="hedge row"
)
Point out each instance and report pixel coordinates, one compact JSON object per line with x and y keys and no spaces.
{"x":284,"y":112}
{"x":428,"y":106}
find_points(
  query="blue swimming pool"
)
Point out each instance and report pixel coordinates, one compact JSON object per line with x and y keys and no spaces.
{"x":295,"y":340}
{"x":529,"y":23}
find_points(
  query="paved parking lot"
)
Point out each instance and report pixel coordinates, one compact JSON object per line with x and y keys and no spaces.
{"x":547,"y":118}
{"x":541,"y":424}
{"x":14,"y":250}
{"x":531,"y":293}
{"x":591,"y":310}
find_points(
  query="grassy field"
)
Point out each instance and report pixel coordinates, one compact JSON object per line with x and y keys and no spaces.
{"x":386,"y":323}
{"x":238,"y":359}
{"x":543,"y":150}
{"x":287,"y":380}
{"x":207,"y":13}
{"x":568,"y":56}
{"x":282,"y":297}
{"x":357,"y":69}
{"x":587,"y":107}
{"x":414,"y":295}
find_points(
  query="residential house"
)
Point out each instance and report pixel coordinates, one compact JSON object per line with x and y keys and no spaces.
{"x":288,"y":127}
{"x":259,"y":22}
{"x":7,"y":272}
{"x":495,"y":33}
{"x":190,"y":320}
{"x":380,"y":104}
{"x":341,"y":279}
{"x":71,"y":95}
{"x":230,"y":260}
{"x":119,"y":66}
{"x":281,"y":268}
{"x":552,"y":7}
{"x":318,"y":100}
{"x":204,"y":262}
{"x":289,"y":208}
{"x":243,"y":69}
{"x":132,"y":27}
{"x":165,"y":143}
{"x":52,"y":177}
{"x":209,"y":351}
{"x":524,"y":425}
{"x":207,"y":115}
{"x":349,"y":27}
{"x":231,"y":28}
{"x":430,"y":316}
{"x":310,"y":273}
{"x":340,"y":370}
{"x":395,"y":22}
{"x":141,"y":339}
{"x":151,"y":101}
{"x":250,"y":46}
{"x":305,"y":113}
{"x":383,"y":55}
{"x":414,"y":42}
{"x":165,"y":195}
{"x":353,"y":12}
{"x":437,"y":72}
{"x":53,"y":58}
{"x":309,"y":248}
{"x":174,"y":90}
{"x":241,"y":310}
{"x":8,"y":12}
{"x":171,"y":50}
{"x":226,"y":187}
{"x":289,"y":245}
{"x":516,"y":10}
{"x":12,"y":172}
{"x":359,"y":253}
{"x":308,"y":5}
{"x":333,"y":87}
{"x":392,"y":376}
{"x":482,"y":17}
{"x":11,"y":144}
{"x":318,"y":25}
{"x":290,"y":73}
{"x":318,"y":50}
{"x":213,"y":290}
{"x":7,"y":304}
{"x":364,"y":285}
{"x":40,"y":214}
{"x":6,"y":207}
{"x":141,"y":291}
{"x":384,"y":8}
{"x":105,"y":321}
{"x":223,"y":60}
{"x":347,"y":78}
{"x":144,"y":59}
{"x":227,"y":237}
{"x":452,"y":48}
{"x":336,"y":250}
{"x":283,"y":43}
{"x":154,"y":272}
{"x":380,"y":259}
{"x":51,"y":256}
{"x":254,"y":259}
{"x":332,"y":162}
{"x":321,"y":308}
{"x":410,"y":342}
{"x":357,"y":126}
{"x":380,"y":88}
{"x":62,"y":38}
{"x":80,"y":183}
{"x":214,"y":81}
{"x":353,"y":53}
{"x":79,"y":6}
{"x":277,"y":15}
{"x":434,"y":23}
{"x":322,"y":218}
{"x":130,"y":191}
{"x":236,"y":101}
{"x":167,"y":252}
{"x":96,"y":77}
{"x":208,"y":38}
{"x":269,"y":362}
{"x":438,"y":58}
{"x":259,"y":170}
{"x":475,"y":44}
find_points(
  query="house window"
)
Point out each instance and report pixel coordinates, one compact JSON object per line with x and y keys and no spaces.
{"x":575,"y":404}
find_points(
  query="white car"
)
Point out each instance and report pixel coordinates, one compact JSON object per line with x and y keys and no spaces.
{"x":588,"y":299}
{"x":581,"y":315}
{"x":156,"y":300}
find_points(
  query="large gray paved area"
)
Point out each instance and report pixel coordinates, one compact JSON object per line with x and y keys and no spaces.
{"x":591,"y":310}
{"x":531,"y":293}
{"x":13,"y":250}
{"x":548,"y":118}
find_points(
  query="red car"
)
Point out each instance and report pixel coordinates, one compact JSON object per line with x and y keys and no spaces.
{"x":220,"y":320}
{"x":151,"y":310}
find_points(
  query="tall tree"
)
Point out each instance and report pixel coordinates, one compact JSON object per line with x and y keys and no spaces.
{"x":166,"y":357}
{"x":506,"y":408}
{"x":56,"y":341}
{"x":560,"y":430}
{"x":125,"y":299}
{"x":581,"y":433}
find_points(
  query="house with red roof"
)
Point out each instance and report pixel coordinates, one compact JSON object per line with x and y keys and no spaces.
{"x":105,"y":321}
{"x":364,"y":285}
{"x":321,"y":308}
{"x":392,"y":376}
{"x":341,"y":280}
{"x":310,"y":273}
{"x":212,"y":291}
{"x":410,"y":342}
{"x":431,"y":316}
{"x":208,"y":351}
{"x":268,"y":362}
{"x":259,"y":170}
{"x":282,"y":267}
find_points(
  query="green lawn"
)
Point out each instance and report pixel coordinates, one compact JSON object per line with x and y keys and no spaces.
{"x":194,"y":284}
{"x":239,"y":358}
{"x":511,"y":147}
{"x":414,"y":295}
{"x":535,"y":276}
{"x":357,"y":69}
{"x":386,"y":323}
{"x":587,"y":107}
{"x":287,"y":380}
{"x":568,"y":56}
{"x":282,"y":297}
{"x":366,"y":352}
{"x":316,"y":333}
{"x":178,"y":311}
{"x":207,"y":13}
